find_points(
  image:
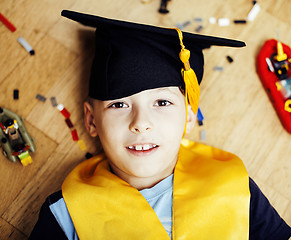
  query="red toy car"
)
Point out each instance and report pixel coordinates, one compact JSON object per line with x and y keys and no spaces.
{"x":273,"y":67}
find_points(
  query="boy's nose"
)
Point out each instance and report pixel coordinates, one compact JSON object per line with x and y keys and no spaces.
{"x":141,"y":122}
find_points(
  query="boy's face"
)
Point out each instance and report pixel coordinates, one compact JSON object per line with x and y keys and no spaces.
{"x":140,"y":134}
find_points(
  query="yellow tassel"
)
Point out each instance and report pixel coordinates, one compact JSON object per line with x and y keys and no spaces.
{"x":192,"y":89}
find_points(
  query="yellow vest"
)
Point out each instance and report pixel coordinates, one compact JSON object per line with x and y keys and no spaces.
{"x":210,"y":199}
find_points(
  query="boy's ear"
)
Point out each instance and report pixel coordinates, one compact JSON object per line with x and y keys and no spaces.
{"x":89,"y":119}
{"x":191,"y":119}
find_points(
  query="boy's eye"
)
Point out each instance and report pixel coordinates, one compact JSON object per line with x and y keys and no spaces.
{"x":162,"y":103}
{"x":118,"y":105}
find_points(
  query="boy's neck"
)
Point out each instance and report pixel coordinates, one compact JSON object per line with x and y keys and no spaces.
{"x":141,"y":183}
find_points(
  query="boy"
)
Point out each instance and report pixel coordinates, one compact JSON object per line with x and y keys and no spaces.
{"x":147,"y":185}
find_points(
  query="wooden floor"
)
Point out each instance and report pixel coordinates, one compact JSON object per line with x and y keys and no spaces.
{"x":238,"y":115}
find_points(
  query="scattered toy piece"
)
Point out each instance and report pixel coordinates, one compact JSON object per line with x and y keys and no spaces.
{"x":198,"y":19}
{"x":185,"y":24}
{"x":163,"y":8}
{"x":254,"y":12}
{"x":63,"y":111}
{"x":69,"y":123}
{"x":15,"y":94}
{"x":15,"y":140}
{"x":82,"y":145}
{"x":88,"y":155}
{"x":26,"y":45}
{"x":202,"y":135}
{"x":8,"y":24}
{"x":218,"y":68}
{"x":200,"y":116}
{"x":54,"y":102}
{"x":223,"y":22}
{"x":212,"y":20}
{"x":40,"y":98}
{"x":240,"y":21}
{"x":75,"y":135}
{"x":181,"y":26}
{"x":229,"y":59}
{"x":278,"y":53}
{"x":198,"y":29}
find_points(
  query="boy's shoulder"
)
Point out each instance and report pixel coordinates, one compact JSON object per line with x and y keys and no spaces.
{"x":54,"y":220}
{"x":265,"y":222}
{"x":54,"y":197}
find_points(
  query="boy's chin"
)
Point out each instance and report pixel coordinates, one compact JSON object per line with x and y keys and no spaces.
{"x":153,"y":172}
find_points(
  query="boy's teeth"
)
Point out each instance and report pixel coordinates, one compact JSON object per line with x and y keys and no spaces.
{"x":142,"y":147}
{"x":138,"y":147}
{"x":146,"y":147}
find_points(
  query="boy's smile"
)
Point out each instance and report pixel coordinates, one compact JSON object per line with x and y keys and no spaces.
{"x":142,"y":149}
{"x":140,"y":134}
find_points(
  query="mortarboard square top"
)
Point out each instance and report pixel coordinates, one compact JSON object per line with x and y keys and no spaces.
{"x":130,"y":57}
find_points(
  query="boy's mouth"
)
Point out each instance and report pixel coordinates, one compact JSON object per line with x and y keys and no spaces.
{"x":142,"y":147}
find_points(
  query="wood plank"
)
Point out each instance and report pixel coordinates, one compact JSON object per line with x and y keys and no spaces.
{"x":9,"y":232}
{"x":14,"y":177}
{"x":287,"y":214}
{"x":280,"y":10}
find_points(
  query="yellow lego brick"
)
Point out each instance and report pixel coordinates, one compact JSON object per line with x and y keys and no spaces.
{"x":82,"y":145}
{"x":26,"y":161}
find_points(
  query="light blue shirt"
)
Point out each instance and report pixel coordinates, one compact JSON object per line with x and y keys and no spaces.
{"x":160,"y":197}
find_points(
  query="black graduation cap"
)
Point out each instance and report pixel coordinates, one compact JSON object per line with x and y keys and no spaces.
{"x":131,"y":57}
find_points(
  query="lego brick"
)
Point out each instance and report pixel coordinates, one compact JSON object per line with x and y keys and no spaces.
{"x":88,"y":155}
{"x":64,"y":111}
{"x":69,"y":123}
{"x":218,"y":68}
{"x":229,"y":59}
{"x":82,"y":145}
{"x":202,"y":135}
{"x":54,"y":102}
{"x":16,"y":94}
{"x":75,"y":135}
{"x":40,"y":98}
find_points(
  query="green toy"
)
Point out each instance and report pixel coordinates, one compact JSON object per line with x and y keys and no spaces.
{"x":15,"y":140}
